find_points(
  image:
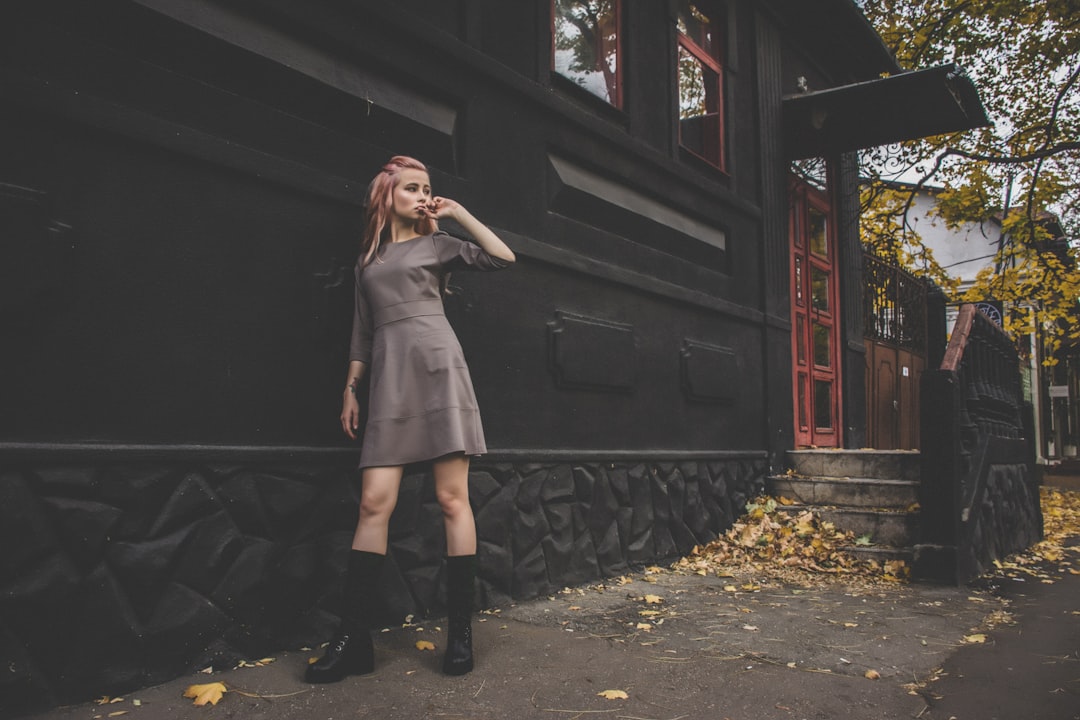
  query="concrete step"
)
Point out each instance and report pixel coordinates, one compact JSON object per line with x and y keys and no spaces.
{"x":896,"y":529}
{"x":878,"y":464}
{"x":881,"y":553}
{"x":846,"y":492}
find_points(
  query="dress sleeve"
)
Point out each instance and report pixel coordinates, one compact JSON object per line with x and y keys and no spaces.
{"x":457,"y":254}
{"x":360,"y":347}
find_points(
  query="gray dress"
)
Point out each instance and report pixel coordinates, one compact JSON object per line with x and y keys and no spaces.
{"x":422,"y":405}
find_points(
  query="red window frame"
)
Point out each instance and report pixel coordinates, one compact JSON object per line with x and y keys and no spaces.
{"x":714,"y":64}
{"x":616,"y":99}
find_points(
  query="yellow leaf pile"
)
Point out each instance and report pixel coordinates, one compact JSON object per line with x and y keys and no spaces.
{"x":770,"y":541}
{"x":1061,"y":521}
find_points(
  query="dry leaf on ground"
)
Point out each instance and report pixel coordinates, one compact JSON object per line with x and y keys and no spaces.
{"x":424,"y":645}
{"x":613,"y":694}
{"x":208,"y":693}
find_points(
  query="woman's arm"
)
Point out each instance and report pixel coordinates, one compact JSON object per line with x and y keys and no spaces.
{"x":491,"y":243}
{"x":350,"y":404}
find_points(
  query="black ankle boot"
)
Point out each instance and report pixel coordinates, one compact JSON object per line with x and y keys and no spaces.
{"x":351,"y":652}
{"x":460,"y":581}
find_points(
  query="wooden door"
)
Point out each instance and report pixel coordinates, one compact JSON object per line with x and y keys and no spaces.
{"x":815,"y":318}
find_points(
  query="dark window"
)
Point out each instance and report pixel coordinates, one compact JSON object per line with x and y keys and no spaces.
{"x":586,"y":45}
{"x":701,"y":78}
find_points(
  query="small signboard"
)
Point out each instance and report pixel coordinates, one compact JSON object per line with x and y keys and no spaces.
{"x":1057,"y":391}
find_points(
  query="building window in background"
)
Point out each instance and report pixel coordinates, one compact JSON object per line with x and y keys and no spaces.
{"x":586,"y":45}
{"x":702,"y":32}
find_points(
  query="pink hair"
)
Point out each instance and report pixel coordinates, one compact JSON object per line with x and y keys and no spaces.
{"x":381,"y":204}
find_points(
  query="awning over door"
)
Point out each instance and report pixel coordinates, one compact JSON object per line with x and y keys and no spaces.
{"x":879,"y":112}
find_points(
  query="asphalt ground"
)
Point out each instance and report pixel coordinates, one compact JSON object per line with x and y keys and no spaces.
{"x":686,"y":646}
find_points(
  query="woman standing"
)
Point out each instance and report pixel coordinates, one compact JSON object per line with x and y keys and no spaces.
{"x":422,"y":406}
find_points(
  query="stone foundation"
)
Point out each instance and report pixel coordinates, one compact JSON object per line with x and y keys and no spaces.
{"x":117,"y":575}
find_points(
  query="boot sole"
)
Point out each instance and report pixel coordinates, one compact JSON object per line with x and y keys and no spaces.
{"x":318,"y":678}
{"x":456,"y":670}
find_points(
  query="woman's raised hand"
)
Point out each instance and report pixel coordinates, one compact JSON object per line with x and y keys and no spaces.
{"x":441,"y":207}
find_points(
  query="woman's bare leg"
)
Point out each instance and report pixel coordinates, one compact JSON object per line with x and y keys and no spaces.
{"x":378,"y":497}
{"x":452,"y":491}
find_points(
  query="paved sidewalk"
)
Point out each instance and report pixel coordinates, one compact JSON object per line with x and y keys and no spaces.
{"x":710,"y":648}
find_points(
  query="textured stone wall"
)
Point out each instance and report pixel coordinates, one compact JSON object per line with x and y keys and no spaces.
{"x":118,"y":575}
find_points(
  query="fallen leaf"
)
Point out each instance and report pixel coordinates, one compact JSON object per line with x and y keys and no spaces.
{"x":424,"y":645}
{"x":613,"y":694}
{"x":749,"y":627}
{"x":118,"y":713}
{"x":653,"y":599}
{"x":208,"y":693}
{"x":976,"y":638}
{"x":872,"y":675}
{"x":644,"y":626}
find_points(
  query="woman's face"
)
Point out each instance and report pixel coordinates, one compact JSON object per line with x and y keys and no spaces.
{"x":412,"y":195}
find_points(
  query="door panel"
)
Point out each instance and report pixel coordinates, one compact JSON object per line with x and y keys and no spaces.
{"x":815,"y":317}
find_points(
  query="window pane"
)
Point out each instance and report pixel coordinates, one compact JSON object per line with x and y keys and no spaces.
{"x":819,"y":289}
{"x":798,"y":281}
{"x":802,"y":401}
{"x":822,"y":404}
{"x":822,"y":354}
{"x":819,"y":238}
{"x":587,"y":43}
{"x":699,"y":107}
{"x":800,"y":338}
{"x":701,"y":22}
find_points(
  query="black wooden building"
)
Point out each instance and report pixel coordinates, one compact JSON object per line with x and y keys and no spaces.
{"x":181,"y":189}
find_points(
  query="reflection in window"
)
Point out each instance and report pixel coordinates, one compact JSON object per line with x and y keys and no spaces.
{"x":823,"y":404}
{"x":819,"y":237}
{"x":701,"y":127}
{"x":819,"y":289}
{"x":822,"y":351}
{"x":798,"y":280}
{"x":700,"y":23}
{"x":800,"y":338}
{"x":587,"y":45}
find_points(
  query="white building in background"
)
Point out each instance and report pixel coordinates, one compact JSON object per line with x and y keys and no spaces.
{"x":963,"y":252}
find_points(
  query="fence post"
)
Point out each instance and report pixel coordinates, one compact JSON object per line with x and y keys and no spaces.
{"x":937,"y":336}
{"x":940,"y":473}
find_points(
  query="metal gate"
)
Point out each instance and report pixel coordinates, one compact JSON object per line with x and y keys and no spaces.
{"x":894,"y":322}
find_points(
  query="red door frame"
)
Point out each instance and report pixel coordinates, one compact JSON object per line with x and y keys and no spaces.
{"x":814,"y":313}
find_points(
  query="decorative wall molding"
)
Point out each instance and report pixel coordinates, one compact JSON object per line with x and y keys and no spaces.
{"x":592,"y":353}
{"x":710,"y":373}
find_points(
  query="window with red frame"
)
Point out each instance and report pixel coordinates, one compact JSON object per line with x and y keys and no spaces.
{"x":586,"y":49}
{"x":702,"y":32}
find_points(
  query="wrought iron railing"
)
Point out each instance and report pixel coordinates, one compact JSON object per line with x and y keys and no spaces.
{"x":894,"y":309}
{"x":979,"y":491}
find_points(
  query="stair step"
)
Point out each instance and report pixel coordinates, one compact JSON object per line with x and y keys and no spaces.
{"x":853,"y":492}
{"x":881,"y":553}
{"x":879,"y":464}
{"x":884,"y":527}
